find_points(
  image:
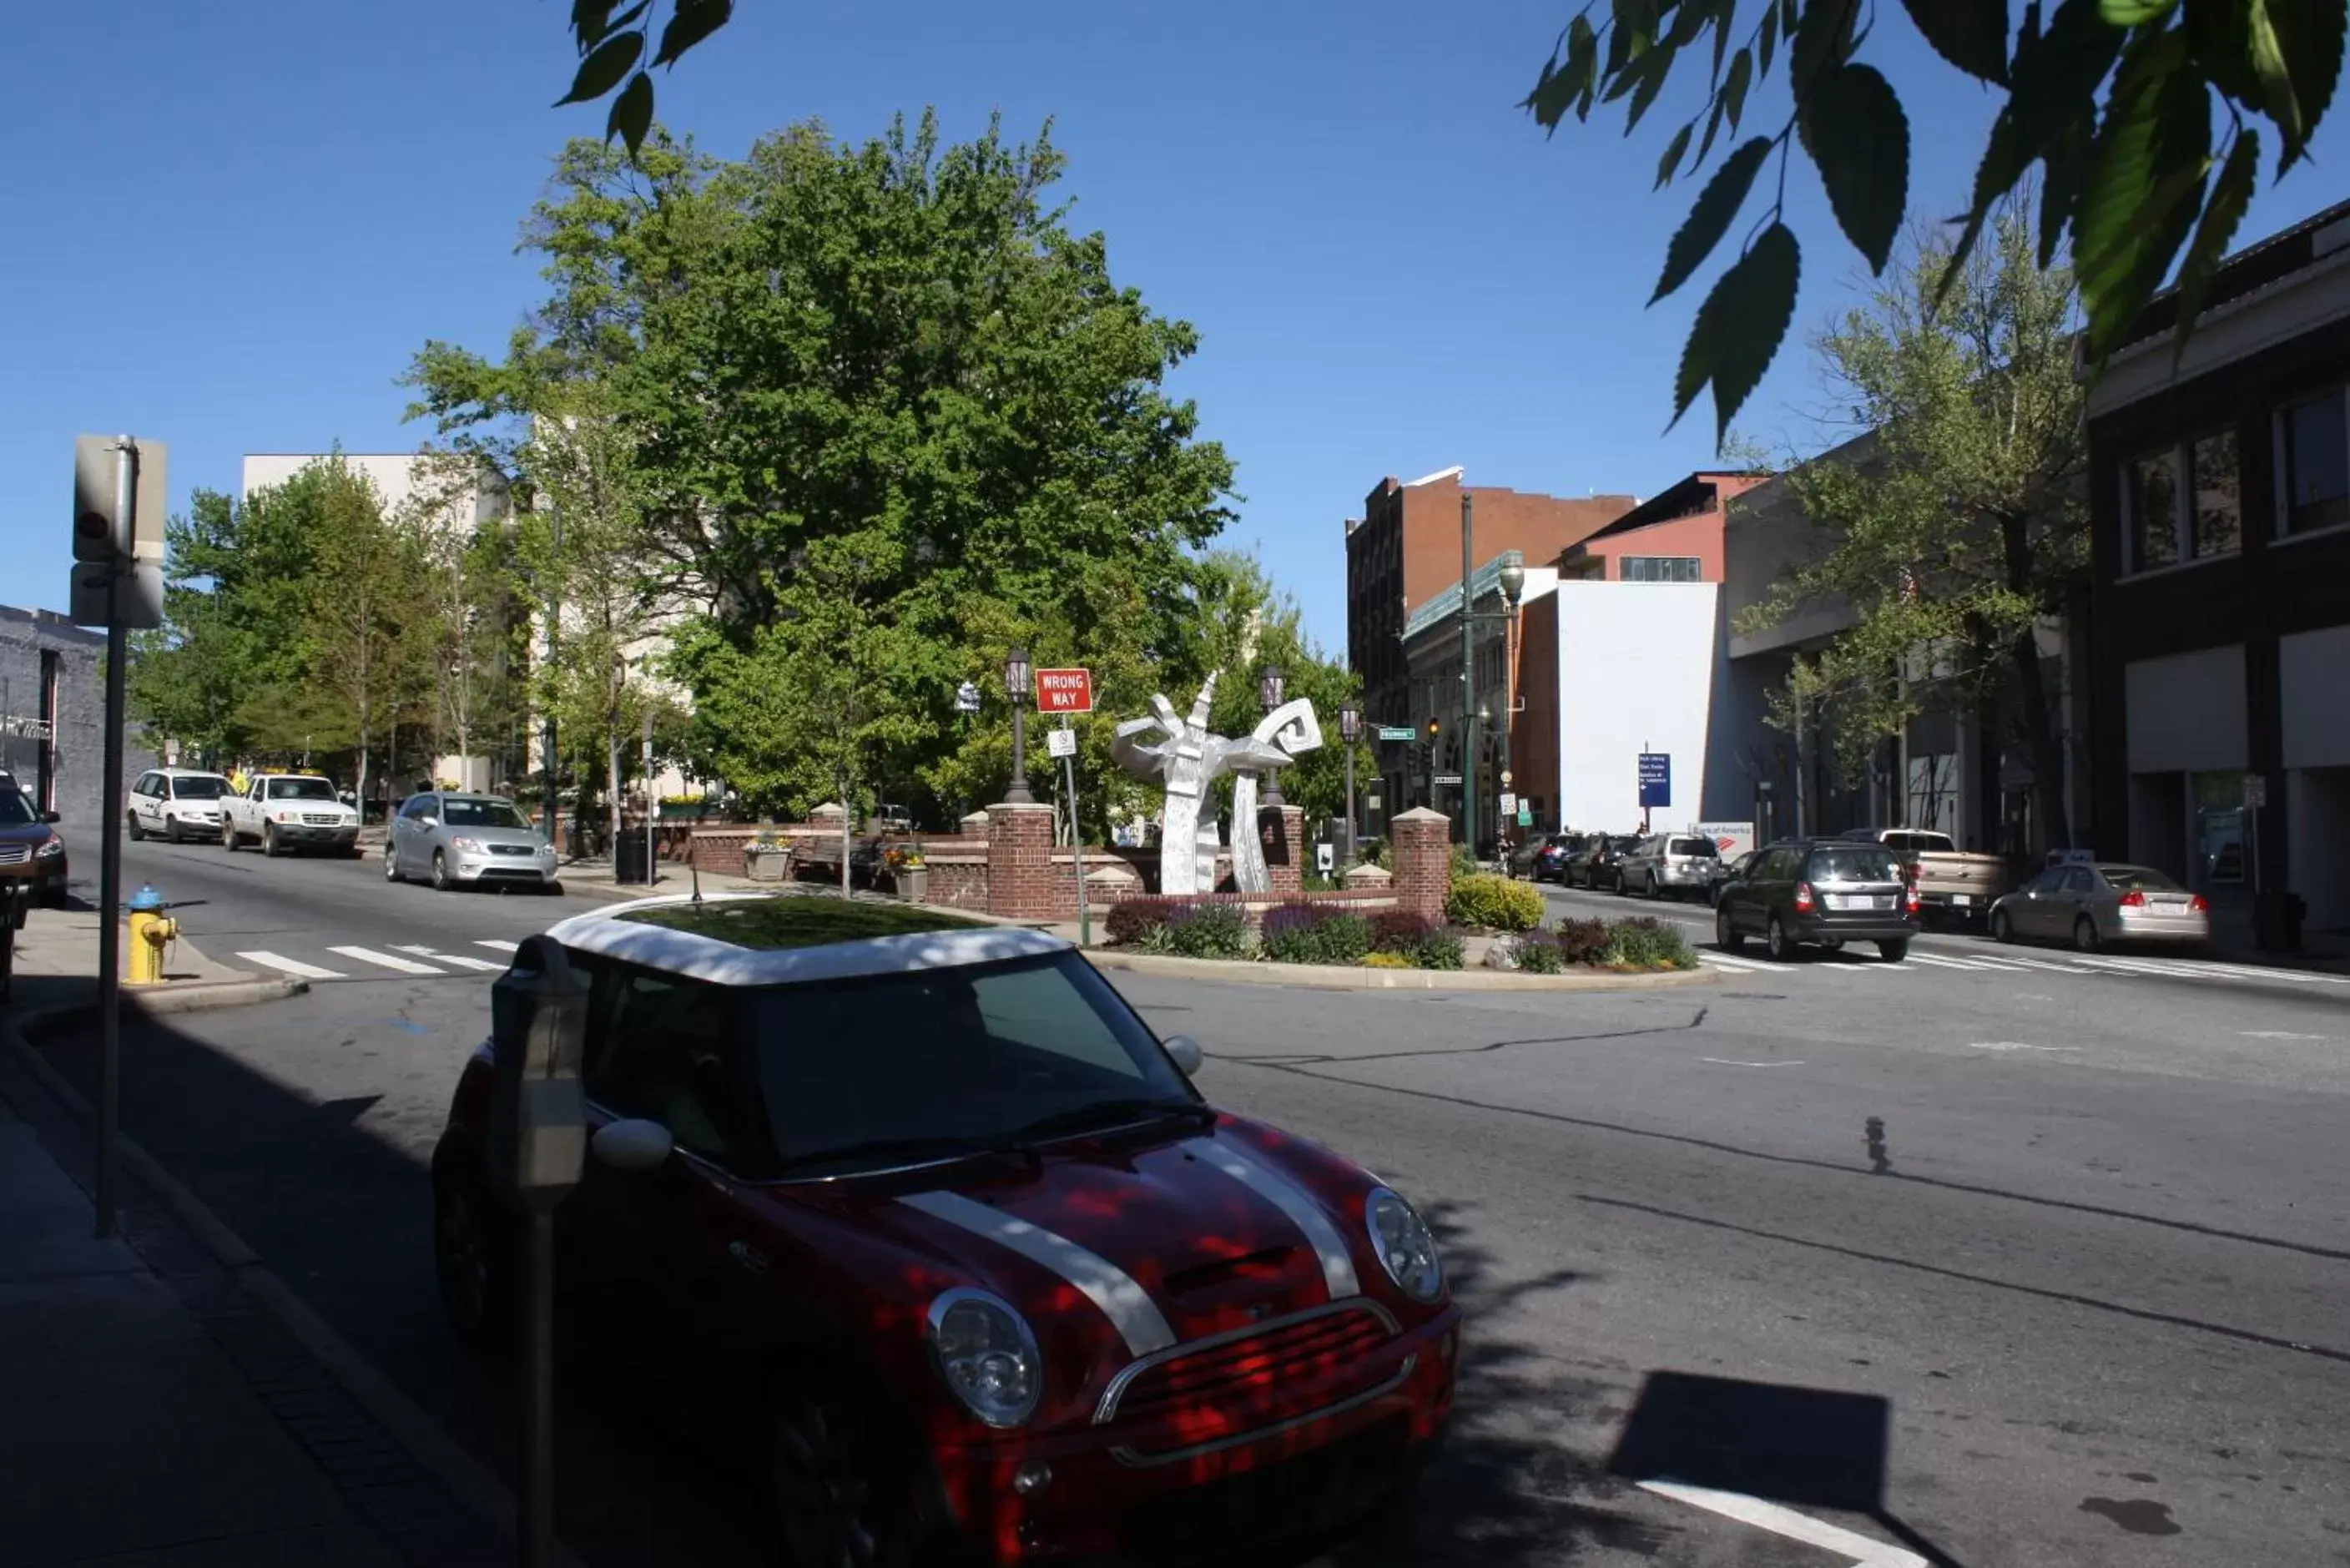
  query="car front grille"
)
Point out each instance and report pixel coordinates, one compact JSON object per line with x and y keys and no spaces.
{"x":1320,"y":1490}
{"x":321,"y":819}
{"x":1232,"y":1372}
{"x":14,"y":854}
{"x":512,"y":849}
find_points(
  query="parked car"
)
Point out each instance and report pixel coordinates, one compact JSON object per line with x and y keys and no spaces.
{"x":1952,"y":884}
{"x":1598,"y":866}
{"x":468,"y":841}
{"x":174,"y":803}
{"x":1820,"y":892}
{"x":1668,"y":864}
{"x":2090,"y":906}
{"x":921,"y":1214}
{"x":287,"y":812}
{"x":32,"y":855}
{"x":1728,"y":871}
{"x":1544,"y":859}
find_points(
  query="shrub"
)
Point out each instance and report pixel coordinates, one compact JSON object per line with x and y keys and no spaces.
{"x":1463,"y":863}
{"x":1537,"y":953}
{"x":1494,"y":902}
{"x":1581,"y":941}
{"x":1399,"y":931}
{"x":1642,"y":942}
{"x":1387,"y":960}
{"x":1441,"y":950}
{"x":1206,"y":932}
{"x":1378,"y":853}
{"x":1313,"y":933}
{"x":1131,"y":922}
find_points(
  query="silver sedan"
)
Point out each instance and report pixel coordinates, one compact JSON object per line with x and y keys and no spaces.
{"x":466,"y":841}
{"x":2107,"y":902}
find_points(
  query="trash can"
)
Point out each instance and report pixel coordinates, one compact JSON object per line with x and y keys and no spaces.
{"x":632,"y":861}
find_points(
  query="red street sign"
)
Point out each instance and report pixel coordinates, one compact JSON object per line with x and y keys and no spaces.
{"x":1064,"y":691}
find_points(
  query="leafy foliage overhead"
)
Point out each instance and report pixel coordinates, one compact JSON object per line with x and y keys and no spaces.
{"x":2113,"y":99}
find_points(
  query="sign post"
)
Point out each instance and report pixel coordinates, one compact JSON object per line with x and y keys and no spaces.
{"x":117,"y":536}
{"x":1068,"y":692}
{"x":1656,"y":782}
{"x":652,"y":803}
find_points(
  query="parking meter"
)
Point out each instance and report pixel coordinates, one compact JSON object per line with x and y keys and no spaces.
{"x":537,"y":1151}
{"x":538,"y":1111}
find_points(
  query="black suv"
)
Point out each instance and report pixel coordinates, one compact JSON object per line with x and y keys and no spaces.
{"x":1821,"y":891}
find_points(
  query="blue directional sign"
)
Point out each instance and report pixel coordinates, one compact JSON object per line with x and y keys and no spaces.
{"x":1656,"y":779}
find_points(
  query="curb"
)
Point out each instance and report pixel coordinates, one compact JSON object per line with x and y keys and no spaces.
{"x":172,"y":996}
{"x":432,"y":1450}
{"x":1332,"y":977}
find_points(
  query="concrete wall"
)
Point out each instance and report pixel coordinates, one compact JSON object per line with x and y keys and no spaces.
{"x":1637,"y":667}
{"x":77,"y":747}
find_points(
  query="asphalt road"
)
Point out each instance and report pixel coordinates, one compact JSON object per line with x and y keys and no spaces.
{"x":2009,"y":1258}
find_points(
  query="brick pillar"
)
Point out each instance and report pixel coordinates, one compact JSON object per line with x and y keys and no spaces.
{"x":1283,"y":827}
{"x":975,"y":824}
{"x":1422,"y":840}
{"x":1020,"y":880}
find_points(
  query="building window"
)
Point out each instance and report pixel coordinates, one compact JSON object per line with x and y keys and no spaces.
{"x":2316,"y":463}
{"x":2219,"y":495}
{"x":1662,"y":569}
{"x":2154,"y":511}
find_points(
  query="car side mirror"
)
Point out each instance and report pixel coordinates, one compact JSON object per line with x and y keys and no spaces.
{"x":1185,"y":1052}
{"x":51,"y":816}
{"x":632,"y":1144}
{"x":428,"y":822}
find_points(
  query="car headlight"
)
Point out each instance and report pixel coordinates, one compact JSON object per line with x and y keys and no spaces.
{"x":1406,"y":1246}
{"x":55,"y":847}
{"x":988,"y":1356}
{"x":466,"y":845}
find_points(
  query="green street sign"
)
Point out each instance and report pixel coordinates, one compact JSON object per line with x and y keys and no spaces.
{"x":1525,"y":817}
{"x":1398,"y":732}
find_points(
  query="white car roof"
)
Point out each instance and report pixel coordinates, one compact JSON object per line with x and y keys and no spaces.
{"x":794,"y":938}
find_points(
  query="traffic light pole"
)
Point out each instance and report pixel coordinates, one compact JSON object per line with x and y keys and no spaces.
{"x":110,"y":856}
{"x":1468,"y":680}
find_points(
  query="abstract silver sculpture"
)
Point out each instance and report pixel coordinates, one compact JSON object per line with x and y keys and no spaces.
{"x":1187,"y":759}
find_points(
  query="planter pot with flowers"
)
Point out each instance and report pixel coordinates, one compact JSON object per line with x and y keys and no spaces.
{"x":767,"y":860}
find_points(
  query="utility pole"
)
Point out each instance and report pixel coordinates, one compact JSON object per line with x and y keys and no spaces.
{"x":1468,"y":680}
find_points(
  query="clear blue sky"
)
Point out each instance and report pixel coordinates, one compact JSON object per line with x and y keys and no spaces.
{"x":236,"y":222}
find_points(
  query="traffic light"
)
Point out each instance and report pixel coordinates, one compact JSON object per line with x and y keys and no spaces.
{"x":99,"y":535}
{"x":1432,"y":728}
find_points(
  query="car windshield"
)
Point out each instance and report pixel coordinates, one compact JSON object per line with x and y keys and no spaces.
{"x":301,"y":789}
{"x":16,"y":811}
{"x":1928,"y":843}
{"x":1853,"y":863}
{"x":1690,"y":847}
{"x":482,"y":814}
{"x":201,"y":788}
{"x":2137,"y":878}
{"x":1626,"y":842}
{"x":905,"y":1068}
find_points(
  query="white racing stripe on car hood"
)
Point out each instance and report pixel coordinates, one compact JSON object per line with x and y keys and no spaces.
{"x":1329,"y":1246}
{"x":1124,"y":1301}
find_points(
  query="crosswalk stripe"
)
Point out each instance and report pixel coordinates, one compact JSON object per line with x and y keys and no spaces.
{"x":289,"y":965}
{"x":388,"y":961}
{"x":1941,"y":963}
{"x":2250,"y":972}
{"x":497,"y":944}
{"x":1739,"y":964}
{"x":460,"y":960}
{"x":1991,"y":960}
{"x":2044,"y":964}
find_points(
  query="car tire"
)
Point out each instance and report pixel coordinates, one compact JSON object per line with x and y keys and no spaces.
{"x":1895,"y":951}
{"x":2084,"y":934}
{"x":229,"y":837}
{"x":842,"y":1491}
{"x":390,"y":865}
{"x":269,"y":845}
{"x":1726,"y":935}
{"x":441,"y":883}
{"x":473,"y":1261}
{"x":130,"y":826}
{"x":172,"y":833}
{"x":1782,"y":946}
{"x":2003,"y":930}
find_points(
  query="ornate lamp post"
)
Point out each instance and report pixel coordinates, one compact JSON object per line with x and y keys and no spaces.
{"x":1350,"y":730}
{"x":1513,"y":586}
{"x":1269,"y":686}
{"x":1018,"y":672}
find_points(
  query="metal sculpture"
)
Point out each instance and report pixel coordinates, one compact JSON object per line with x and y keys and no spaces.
{"x":1187,"y":759}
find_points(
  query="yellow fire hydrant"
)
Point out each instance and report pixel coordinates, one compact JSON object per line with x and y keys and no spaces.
{"x":151,"y":928}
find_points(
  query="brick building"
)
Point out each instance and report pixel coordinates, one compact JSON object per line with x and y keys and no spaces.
{"x":1405,"y":550}
{"x":2220,"y":509}
{"x":1671,"y":537}
{"x":53,"y":714}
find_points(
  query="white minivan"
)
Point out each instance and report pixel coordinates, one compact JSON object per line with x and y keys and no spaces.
{"x":173,"y":804}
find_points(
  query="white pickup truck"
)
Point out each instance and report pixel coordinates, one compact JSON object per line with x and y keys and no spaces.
{"x":284,"y":812}
{"x":1952,"y":884}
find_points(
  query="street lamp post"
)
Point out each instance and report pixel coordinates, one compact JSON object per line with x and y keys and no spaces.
{"x":1018,"y":672}
{"x":1468,"y":677}
{"x":1270,"y":684}
{"x":1350,"y":730}
{"x":1513,"y":585}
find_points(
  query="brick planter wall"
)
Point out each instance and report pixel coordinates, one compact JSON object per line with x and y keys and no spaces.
{"x":1020,"y":881}
{"x":1283,"y":829}
{"x":1422,"y":843}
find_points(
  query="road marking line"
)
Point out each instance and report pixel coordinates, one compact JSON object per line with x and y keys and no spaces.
{"x":497,"y":944}
{"x":1852,"y":967}
{"x":1865,"y":1551}
{"x":1742,"y":965}
{"x":460,"y":960}
{"x":1726,"y":1062}
{"x":299,"y":970}
{"x":2044,"y":964}
{"x":1941,"y":963}
{"x":2278,"y":1034}
{"x":2013,"y":1045}
{"x":1991,"y":962}
{"x":388,"y":961}
{"x":2252,"y":971}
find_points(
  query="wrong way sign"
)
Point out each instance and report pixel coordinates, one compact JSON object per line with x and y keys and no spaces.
{"x":1064,"y":691}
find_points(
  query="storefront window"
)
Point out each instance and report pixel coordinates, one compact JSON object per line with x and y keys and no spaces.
{"x":2316,"y":463}
{"x":2154,"y":511}
{"x":2218,"y":496}
{"x":2219,"y":832}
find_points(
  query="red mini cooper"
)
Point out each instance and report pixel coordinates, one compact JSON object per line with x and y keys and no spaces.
{"x":922,"y":1209}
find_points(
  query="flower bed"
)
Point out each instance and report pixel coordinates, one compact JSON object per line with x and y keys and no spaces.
{"x":1300,"y":931}
{"x":1640,"y":945}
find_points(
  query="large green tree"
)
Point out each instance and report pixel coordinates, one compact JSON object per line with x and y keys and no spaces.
{"x":897,"y":343}
{"x":1957,"y":533}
